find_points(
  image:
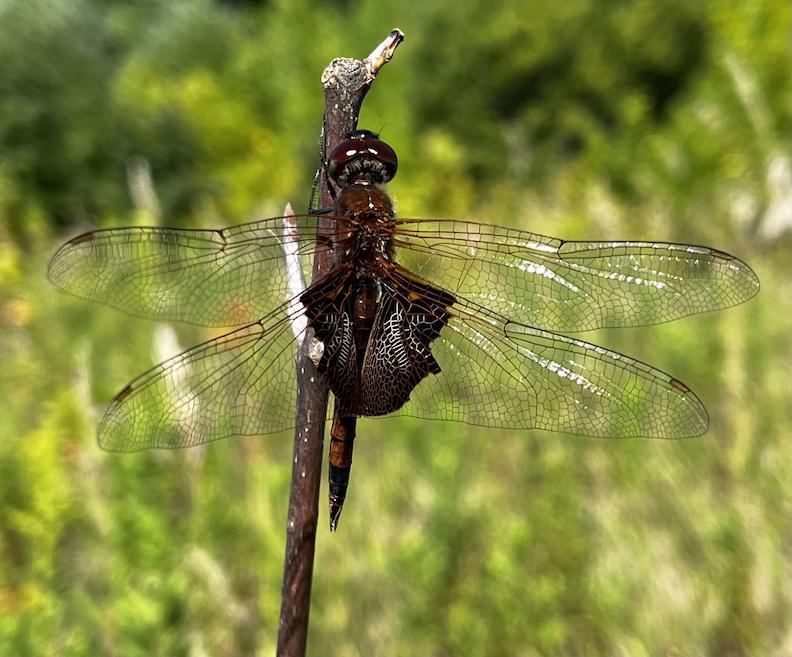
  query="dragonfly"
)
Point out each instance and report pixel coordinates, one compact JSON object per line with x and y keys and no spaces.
{"x":442,"y":319}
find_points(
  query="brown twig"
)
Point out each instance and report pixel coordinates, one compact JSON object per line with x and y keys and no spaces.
{"x":346,"y":82}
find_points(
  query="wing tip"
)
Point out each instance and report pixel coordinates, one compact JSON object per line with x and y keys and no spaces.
{"x":746,"y":281}
{"x":697,"y":421}
{"x":753,"y":279}
{"x":55,"y":266}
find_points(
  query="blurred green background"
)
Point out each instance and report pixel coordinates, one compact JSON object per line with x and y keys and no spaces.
{"x":661,"y":119}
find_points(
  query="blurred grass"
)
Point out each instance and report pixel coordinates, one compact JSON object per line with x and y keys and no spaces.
{"x":662,"y":120}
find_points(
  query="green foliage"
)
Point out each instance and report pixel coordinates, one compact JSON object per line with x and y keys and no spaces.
{"x":665,"y":120}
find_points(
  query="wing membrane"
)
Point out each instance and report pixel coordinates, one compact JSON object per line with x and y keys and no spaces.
{"x":241,"y":383}
{"x":205,"y":277}
{"x":500,"y":374}
{"x":493,"y":371}
{"x":572,"y":286}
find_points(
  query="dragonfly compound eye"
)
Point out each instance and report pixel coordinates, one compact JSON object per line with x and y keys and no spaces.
{"x":362,"y":157}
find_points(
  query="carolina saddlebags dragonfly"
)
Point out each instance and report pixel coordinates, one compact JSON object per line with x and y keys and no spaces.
{"x":442,"y":319}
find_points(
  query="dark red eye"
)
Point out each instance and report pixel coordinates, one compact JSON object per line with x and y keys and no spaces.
{"x":368,"y":148}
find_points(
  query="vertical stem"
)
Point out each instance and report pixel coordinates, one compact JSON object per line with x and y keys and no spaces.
{"x":346,"y":82}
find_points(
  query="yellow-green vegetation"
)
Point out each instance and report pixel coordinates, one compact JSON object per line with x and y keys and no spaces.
{"x":665,"y":120}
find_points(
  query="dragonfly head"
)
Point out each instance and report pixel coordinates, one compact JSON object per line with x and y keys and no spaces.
{"x":362,"y":158}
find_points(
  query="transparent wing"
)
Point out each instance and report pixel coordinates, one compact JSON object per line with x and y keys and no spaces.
{"x":500,"y":374}
{"x":571,"y":286}
{"x":240,"y":383}
{"x":205,"y":277}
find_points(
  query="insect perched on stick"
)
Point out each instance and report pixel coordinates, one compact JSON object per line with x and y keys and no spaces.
{"x":438,"y":319}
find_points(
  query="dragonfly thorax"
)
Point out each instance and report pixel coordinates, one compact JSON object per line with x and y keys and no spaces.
{"x":369,"y":218}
